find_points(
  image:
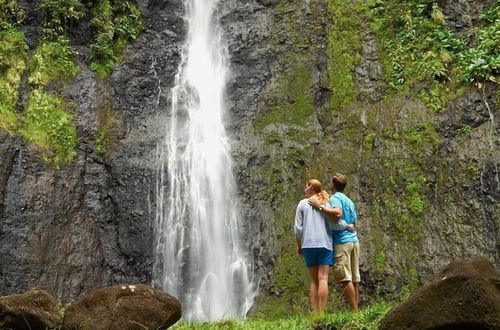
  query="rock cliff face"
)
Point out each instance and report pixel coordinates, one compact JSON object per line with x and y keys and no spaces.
{"x":426,"y":184}
{"x":90,"y":223}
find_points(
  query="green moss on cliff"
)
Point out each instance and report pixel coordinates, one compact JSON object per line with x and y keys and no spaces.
{"x":47,"y":120}
{"x":48,"y":123}
{"x":52,"y":61}
{"x":399,"y":145}
{"x":107,"y":132}
{"x":344,"y":45}
{"x":287,"y":123}
{"x":292,"y":100}
{"x":12,"y":65}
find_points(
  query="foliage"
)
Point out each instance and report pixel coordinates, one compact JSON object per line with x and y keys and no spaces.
{"x":58,"y":14}
{"x":483,"y":61}
{"x":419,"y":47}
{"x":52,"y":60}
{"x":12,"y":64}
{"x":11,"y":14}
{"x":116,"y":23}
{"x":47,"y":123}
{"x":367,"y":318}
{"x":46,"y":120}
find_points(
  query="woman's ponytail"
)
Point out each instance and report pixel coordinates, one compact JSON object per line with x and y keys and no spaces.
{"x":320,"y":194}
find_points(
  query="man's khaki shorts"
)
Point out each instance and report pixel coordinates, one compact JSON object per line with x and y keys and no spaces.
{"x":346,"y":267}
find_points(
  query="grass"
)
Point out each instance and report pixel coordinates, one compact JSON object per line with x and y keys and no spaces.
{"x":368,"y":318}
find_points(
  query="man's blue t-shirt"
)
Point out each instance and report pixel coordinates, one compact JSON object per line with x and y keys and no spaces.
{"x":349,"y":215}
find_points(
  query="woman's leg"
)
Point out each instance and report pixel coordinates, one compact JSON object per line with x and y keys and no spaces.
{"x":313,"y":288}
{"x":322,"y":287}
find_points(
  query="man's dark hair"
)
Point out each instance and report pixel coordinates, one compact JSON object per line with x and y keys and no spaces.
{"x":339,"y":181}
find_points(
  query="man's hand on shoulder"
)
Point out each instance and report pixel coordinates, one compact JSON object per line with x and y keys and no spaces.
{"x":314,"y":202}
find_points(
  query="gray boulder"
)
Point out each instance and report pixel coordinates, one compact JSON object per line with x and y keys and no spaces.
{"x":123,"y":307}
{"x":464,"y":295}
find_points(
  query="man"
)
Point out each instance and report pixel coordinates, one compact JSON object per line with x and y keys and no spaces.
{"x":345,"y":241}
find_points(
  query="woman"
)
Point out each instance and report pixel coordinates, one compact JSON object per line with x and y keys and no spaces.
{"x":315,"y":243}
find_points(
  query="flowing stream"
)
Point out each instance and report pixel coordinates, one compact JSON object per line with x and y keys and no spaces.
{"x":198,"y":257}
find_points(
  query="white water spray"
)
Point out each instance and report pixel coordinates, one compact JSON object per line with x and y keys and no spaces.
{"x":198,"y":256}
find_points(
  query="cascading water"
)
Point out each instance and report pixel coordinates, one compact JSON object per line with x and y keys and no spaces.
{"x":198,"y":256}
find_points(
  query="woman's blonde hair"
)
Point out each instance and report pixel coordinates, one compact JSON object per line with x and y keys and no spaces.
{"x":319,"y":193}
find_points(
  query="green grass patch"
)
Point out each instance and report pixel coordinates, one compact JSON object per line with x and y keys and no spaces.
{"x":368,"y":318}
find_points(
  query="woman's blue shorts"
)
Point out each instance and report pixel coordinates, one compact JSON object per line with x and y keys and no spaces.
{"x":317,"y":256}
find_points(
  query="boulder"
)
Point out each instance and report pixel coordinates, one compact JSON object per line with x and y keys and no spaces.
{"x":123,"y":307}
{"x":464,"y":295}
{"x":33,"y":310}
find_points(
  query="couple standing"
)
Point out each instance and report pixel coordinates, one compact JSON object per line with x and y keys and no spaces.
{"x":325,"y":229}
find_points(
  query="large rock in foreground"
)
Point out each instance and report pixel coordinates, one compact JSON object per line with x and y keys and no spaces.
{"x":464,"y":295}
{"x":123,"y":307}
{"x":33,"y":310}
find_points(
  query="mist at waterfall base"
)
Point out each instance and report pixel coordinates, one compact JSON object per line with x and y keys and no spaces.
{"x":199,"y":257}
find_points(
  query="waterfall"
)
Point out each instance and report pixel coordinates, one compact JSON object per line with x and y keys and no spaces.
{"x":198,"y":257}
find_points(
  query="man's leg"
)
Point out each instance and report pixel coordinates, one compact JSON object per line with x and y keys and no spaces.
{"x":322,"y":287}
{"x":356,"y":290}
{"x":350,"y":293}
{"x":313,"y":288}
{"x":356,"y":277}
